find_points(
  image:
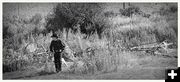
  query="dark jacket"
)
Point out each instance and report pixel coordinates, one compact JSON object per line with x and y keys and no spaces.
{"x":56,"y":46}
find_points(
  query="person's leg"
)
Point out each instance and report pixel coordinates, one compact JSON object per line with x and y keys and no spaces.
{"x":56,"y":61}
{"x":60,"y":62}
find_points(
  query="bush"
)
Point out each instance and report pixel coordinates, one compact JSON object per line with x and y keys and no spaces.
{"x":15,"y":65}
{"x":71,"y":15}
{"x":132,"y":10}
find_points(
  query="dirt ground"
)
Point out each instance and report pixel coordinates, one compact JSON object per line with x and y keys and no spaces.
{"x":140,"y":67}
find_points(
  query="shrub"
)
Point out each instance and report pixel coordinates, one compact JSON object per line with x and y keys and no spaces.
{"x":70,"y":15}
{"x":132,"y":10}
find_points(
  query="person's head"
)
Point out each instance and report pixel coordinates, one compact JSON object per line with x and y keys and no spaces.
{"x":54,"y":37}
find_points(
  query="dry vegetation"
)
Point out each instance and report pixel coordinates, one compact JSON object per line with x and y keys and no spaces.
{"x":108,"y":36}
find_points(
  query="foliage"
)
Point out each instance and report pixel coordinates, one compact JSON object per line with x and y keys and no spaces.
{"x":69,"y":15}
{"x":132,"y":10}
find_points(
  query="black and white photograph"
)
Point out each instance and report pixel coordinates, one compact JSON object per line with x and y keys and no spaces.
{"x":89,"y":40}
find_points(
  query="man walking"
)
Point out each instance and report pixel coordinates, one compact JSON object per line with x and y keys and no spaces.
{"x":57,"y":47}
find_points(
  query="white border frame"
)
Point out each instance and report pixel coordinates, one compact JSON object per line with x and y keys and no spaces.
{"x":109,"y":1}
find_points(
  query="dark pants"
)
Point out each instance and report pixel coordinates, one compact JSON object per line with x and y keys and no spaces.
{"x":57,"y":61}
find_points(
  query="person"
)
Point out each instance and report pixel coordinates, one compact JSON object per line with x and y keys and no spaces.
{"x":57,"y":47}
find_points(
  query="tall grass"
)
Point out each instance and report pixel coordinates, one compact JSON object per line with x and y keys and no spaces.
{"x":106,"y":55}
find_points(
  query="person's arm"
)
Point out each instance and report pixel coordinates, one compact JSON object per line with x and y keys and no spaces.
{"x":62,"y":45}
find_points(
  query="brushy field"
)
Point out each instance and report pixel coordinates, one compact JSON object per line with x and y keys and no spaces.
{"x":108,"y":57}
{"x":104,"y":62}
{"x":130,"y":65}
